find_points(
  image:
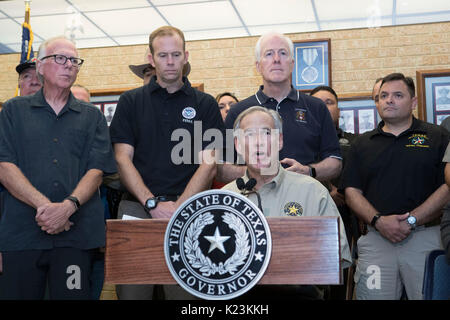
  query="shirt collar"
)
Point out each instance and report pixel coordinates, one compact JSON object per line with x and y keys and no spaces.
{"x":38,"y":100}
{"x":263,"y":98}
{"x":275,"y":182}
{"x":186,"y":88}
{"x":416,"y":126}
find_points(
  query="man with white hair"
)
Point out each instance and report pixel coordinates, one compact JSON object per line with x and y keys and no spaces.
{"x":54,"y":150}
{"x":258,"y":135}
{"x":311,"y":146}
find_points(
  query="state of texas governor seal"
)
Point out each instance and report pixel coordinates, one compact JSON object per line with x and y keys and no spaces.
{"x":217,"y":245}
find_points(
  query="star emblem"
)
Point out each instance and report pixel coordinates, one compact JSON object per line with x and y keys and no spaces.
{"x":293,"y":210}
{"x":259,"y":256}
{"x":175,"y":257}
{"x":216,"y":241}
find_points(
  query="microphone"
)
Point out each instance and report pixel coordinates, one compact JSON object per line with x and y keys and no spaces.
{"x":240,"y":183}
{"x":245,"y":186}
{"x":250,"y":184}
{"x":246,"y":189}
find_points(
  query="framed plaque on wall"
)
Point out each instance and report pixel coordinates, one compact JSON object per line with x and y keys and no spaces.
{"x":312,"y":66}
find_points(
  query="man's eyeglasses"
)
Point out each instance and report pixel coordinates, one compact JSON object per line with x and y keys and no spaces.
{"x":61,"y":59}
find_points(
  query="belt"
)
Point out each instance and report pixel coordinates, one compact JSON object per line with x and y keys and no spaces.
{"x":165,"y":197}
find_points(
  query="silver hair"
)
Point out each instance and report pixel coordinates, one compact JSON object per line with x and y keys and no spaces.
{"x":269,"y":35}
{"x":278,"y":123}
{"x":42,"y":52}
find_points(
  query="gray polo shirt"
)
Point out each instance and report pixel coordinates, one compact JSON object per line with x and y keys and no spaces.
{"x":293,"y":194}
{"x":53,"y":152}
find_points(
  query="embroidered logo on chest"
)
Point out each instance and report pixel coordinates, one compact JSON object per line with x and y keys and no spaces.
{"x":418,"y":141}
{"x":300,"y":115}
{"x":293,"y":209}
{"x":188,"y":114}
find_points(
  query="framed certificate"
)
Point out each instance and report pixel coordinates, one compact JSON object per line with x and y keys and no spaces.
{"x":312,"y":64}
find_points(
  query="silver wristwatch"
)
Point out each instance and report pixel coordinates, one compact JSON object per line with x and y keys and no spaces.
{"x":411,"y":220}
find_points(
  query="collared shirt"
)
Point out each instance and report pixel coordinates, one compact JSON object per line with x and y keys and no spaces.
{"x":147,"y":118}
{"x":293,"y":194}
{"x":397,"y":173}
{"x":309,"y":135}
{"x":53,"y":152}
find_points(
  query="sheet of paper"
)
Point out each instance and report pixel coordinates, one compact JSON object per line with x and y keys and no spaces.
{"x":127,"y":217}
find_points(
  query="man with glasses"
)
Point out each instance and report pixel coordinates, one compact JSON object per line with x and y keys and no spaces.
{"x":54,"y":150}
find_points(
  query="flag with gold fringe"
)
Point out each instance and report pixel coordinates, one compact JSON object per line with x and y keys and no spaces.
{"x":27,"y":36}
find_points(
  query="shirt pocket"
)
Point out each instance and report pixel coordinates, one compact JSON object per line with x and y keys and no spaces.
{"x":74,"y":141}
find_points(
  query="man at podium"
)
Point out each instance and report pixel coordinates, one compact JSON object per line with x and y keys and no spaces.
{"x":277,"y":191}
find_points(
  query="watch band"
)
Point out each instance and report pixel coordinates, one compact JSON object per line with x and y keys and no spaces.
{"x":312,"y":171}
{"x":374,"y":220}
{"x":74,"y":200}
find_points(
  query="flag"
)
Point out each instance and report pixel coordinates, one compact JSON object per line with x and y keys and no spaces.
{"x":27,"y":36}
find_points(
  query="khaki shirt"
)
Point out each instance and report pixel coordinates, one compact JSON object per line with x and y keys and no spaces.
{"x":293,"y":194}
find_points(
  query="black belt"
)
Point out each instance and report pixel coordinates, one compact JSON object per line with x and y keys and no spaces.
{"x":165,"y":197}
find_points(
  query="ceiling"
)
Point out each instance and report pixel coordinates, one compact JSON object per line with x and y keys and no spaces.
{"x":101,"y":23}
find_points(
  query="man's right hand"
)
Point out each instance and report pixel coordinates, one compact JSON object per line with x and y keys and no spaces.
{"x":164,"y":209}
{"x":394,"y":227}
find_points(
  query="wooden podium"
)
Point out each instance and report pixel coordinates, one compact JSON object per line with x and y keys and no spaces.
{"x":305,"y":250}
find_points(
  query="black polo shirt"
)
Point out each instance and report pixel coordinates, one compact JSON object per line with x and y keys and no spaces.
{"x":146,"y":117}
{"x":53,"y":152}
{"x":397,"y":174}
{"x":309,"y":135}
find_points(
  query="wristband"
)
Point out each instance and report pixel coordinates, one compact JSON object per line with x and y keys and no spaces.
{"x":75,"y":201}
{"x":374,"y":220}
{"x":312,"y":171}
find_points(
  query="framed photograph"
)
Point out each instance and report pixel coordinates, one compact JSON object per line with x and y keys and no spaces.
{"x":312,"y":64}
{"x":109,"y":110}
{"x":433,"y":94}
{"x":358,"y":114}
{"x":106,"y":101}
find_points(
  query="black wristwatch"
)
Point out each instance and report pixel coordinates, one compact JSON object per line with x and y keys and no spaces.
{"x":74,"y":200}
{"x":374,"y":220}
{"x":151,"y":203}
{"x":312,"y":171}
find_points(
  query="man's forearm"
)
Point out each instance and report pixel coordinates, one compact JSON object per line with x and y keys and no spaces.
{"x":229,"y":172}
{"x":200,"y":181}
{"x":327,"y":169}
{"x":360,"y":205}
{"x":132,"y":181}
{"x":432,"y":207}
{"x":19,"y":186}
{"x":88,"y":185}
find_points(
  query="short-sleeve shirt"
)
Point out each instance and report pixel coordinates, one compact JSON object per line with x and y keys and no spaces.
{"x":53,"y":152}
{"x":397,"y":173}
{"x":293,"y":194}
{"x":158,"y":124}
{"x":447,"y":154}
{"x":309,"y":135}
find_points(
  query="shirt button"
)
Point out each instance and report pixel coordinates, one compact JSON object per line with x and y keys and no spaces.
{"x":55,"y":161}
{"x":55,"y":184}
{"x":55,"y":140}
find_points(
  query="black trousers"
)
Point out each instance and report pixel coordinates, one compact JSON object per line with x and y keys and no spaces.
{"x":27,"y":273}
